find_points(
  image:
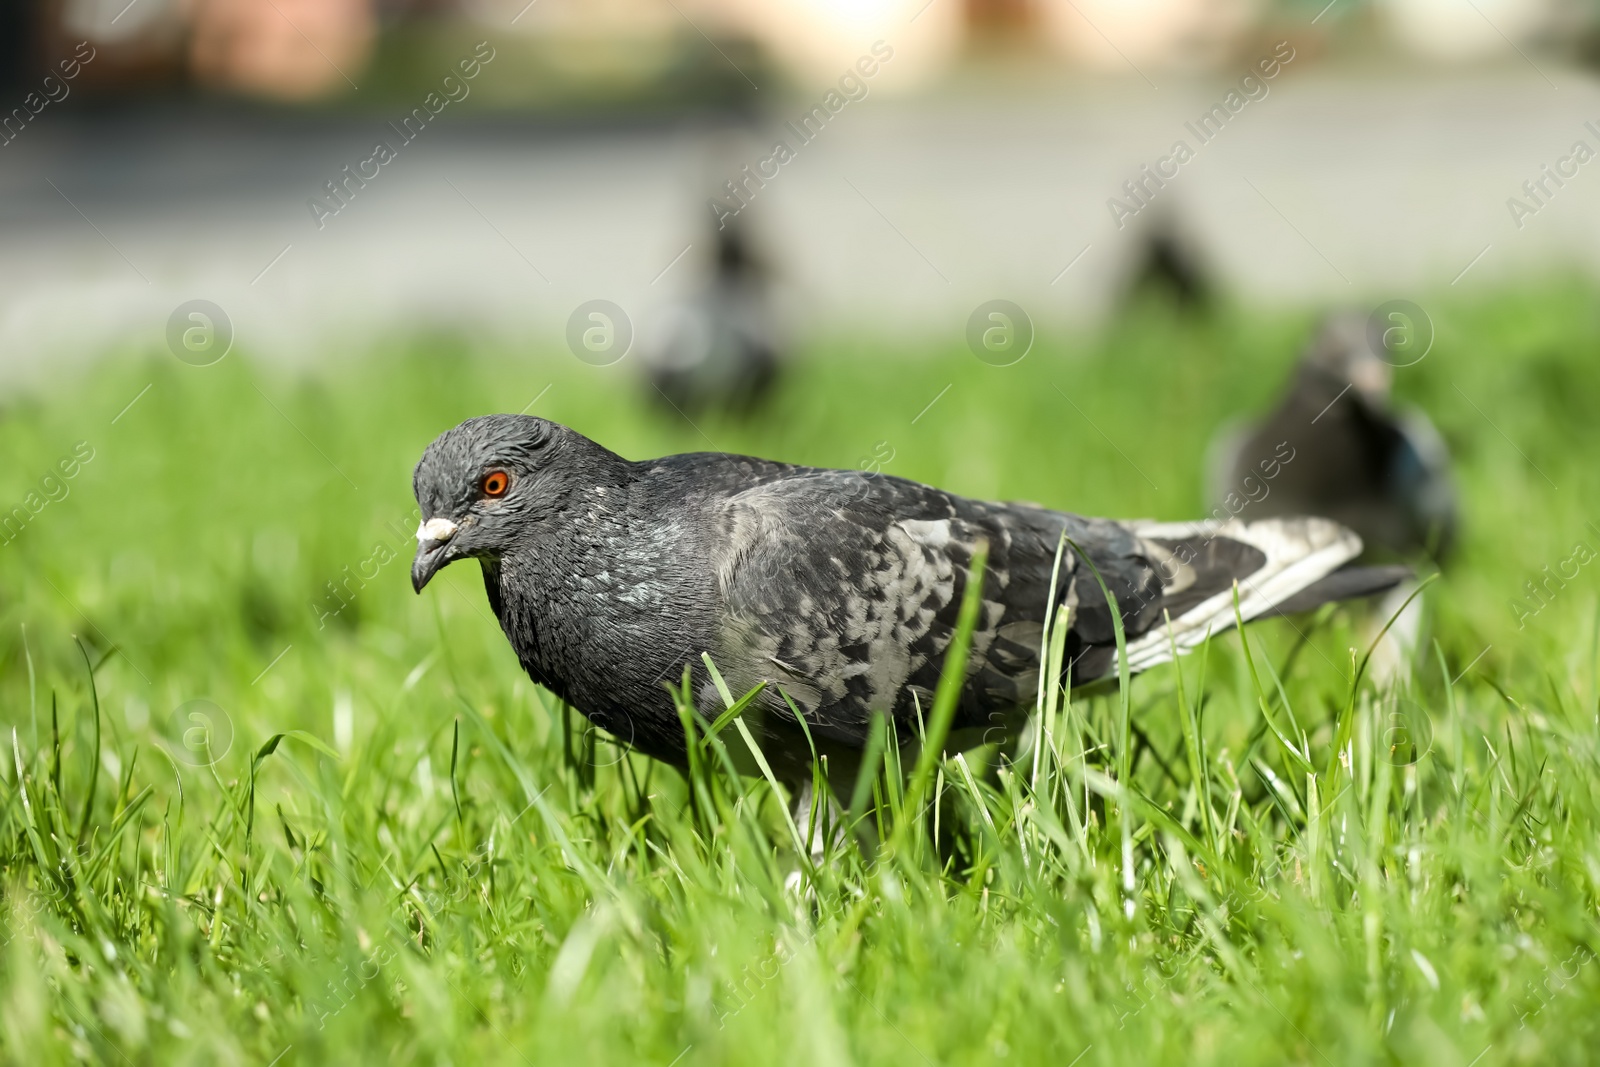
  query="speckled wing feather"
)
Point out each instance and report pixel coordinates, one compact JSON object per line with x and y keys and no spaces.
{"x":841,"y":589}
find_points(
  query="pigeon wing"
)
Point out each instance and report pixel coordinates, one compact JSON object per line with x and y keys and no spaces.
{"x":842,"y":590}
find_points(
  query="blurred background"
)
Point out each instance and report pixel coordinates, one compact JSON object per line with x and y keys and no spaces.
{"x":328,"y":170}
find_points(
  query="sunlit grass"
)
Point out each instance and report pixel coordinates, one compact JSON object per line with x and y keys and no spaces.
{"x":436,"y":862}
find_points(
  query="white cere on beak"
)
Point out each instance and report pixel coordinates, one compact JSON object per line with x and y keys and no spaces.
{"x":436,"y":530}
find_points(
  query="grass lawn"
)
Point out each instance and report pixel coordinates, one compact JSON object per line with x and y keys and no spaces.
{"x":405,"y":853}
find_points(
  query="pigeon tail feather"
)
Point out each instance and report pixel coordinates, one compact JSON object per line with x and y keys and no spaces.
{"x":1300,"y":554}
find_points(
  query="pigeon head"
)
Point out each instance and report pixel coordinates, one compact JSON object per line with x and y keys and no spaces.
{"x":1342,"y":356}
{"x":494,"y":483}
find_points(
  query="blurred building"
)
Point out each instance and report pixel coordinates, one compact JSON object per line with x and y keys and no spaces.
{"x":297,"y":50}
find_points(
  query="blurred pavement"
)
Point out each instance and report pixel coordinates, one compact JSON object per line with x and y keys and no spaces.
{"x":896,"y":221}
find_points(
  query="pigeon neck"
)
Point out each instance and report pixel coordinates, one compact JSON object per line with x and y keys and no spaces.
{"x":602,"y":468}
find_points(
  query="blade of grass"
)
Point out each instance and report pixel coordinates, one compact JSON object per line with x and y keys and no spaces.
{"x":1300,"y":760}
{"x":1048,"y":677}
{"x":1199,"y":780}
{"x":1124,"y":688}
{"x":94,"y":753}
{"x":948,"y":693}
{"x":735,"y":708}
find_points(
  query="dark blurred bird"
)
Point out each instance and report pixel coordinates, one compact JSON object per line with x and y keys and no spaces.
{"x":1167,"y":267}
{"x":720,"y":348}
{"x":839,"y":588}
{"x":1335,"y":446}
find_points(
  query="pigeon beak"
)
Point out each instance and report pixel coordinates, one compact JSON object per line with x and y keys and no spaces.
{"x":432,"y":538}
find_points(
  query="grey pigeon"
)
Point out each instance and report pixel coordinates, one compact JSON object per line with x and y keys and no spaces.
{"x":1336,"y":446}
{"x":839,"y":588}
{"x":1169,"y":267}
{"x":720,"y":349}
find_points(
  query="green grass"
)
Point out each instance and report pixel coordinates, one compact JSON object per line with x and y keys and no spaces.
{"x":440,"y":864}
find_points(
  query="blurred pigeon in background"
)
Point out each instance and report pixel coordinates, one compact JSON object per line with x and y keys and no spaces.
{"x":720,"y":348}
{"x":1336,"y":446}
{"x":1169,"y":266}
{"x":1356,"y":459}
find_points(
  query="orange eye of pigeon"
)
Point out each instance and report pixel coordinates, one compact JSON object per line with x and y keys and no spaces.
{"x":495,"y":483}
